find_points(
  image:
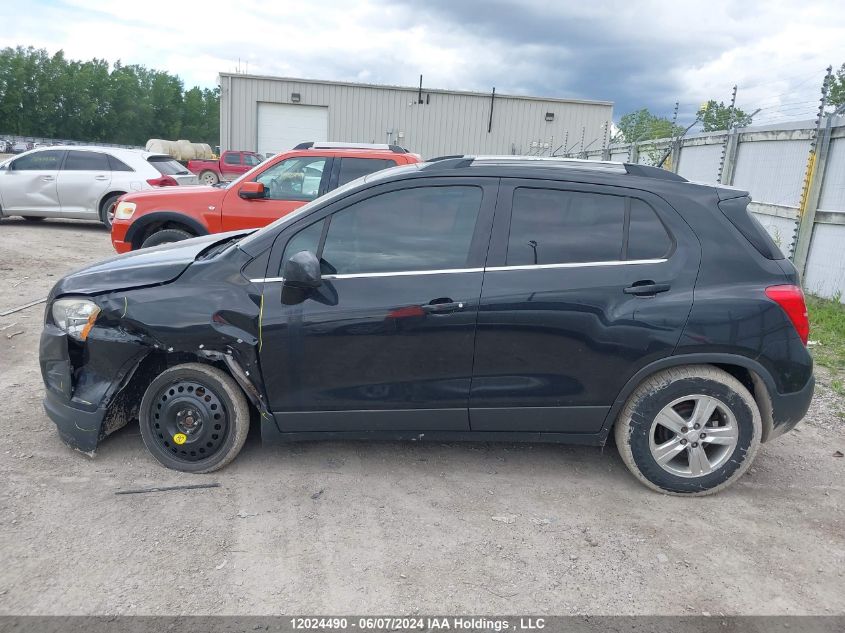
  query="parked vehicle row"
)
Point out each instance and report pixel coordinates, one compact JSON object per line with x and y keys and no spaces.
{"x":466,"y":298}
{"x":270,"y":190}
{"x":82,"y":182}
{"x":230,"y":165}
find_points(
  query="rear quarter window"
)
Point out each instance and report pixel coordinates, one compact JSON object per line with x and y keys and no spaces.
{"x":736,"y":210}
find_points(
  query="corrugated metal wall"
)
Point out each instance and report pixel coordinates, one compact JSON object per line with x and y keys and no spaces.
{"x":445,"y":123}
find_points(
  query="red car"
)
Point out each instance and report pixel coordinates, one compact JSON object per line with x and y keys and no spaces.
{"x":229,"y":166}
{"x":269,"y":191}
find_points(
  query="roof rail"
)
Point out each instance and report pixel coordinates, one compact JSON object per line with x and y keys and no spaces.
{"x":396,"y":149}
{"x":459,"y":161}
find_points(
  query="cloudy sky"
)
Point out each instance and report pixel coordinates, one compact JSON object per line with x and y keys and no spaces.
{"x":636,"y":54}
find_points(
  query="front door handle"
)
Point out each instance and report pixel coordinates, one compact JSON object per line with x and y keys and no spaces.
{"x":442,"y":306}
{"x":645,"y":288}
{"x":47,"y":178}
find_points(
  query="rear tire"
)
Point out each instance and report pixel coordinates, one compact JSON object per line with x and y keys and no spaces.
{"x":194,"y":418}
{"x":107,"y":210}
{"x":166,"y":236}
{"x":208,"y":178}
{"x":691,"y":430}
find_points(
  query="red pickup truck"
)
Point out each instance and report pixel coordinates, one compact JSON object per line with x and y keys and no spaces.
{"x":230,"y":166}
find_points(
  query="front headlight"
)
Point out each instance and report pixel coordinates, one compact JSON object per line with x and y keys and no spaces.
{"x":124,"y":210}
{"x":75,"y":315}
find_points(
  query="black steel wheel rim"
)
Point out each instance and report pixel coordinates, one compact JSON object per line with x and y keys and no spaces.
{"x":189,"y":421}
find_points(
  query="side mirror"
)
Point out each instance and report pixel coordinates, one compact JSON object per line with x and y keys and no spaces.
{"x":252,"y":190}
{"x":302,"y":270}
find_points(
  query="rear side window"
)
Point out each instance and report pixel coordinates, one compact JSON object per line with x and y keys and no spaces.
{"x":736,"y":210}
{"x":118,"y":165}
{"x":647,"y":237}
{"x":352,"y":168}
{"x":560,"y":227}
{"x":86,"y":161}
{"x":167,"y":166}
{"x":424,"y":228}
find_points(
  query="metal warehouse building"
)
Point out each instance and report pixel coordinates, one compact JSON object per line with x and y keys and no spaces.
{"x":272,"y":114}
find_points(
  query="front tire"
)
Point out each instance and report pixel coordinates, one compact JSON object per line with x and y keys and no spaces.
{"x":166,"y":236}
{"x":691,"y":430}
{"x":194,"y":418}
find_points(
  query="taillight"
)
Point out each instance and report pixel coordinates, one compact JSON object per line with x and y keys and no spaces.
{"x":164,"y":181}
{"x":791,"y":299}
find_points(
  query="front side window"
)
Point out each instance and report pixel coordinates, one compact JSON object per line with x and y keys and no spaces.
{"x":38,"y":161}
{"x":560,"y":227}
{"x":294,"y":179}
{"x":424,"y":228}
{"x":86,"y":161}
{"x":308,"y":239}
{"x":352,"y":168}
{"x":251,"y":160}
{"x":232,"y":159}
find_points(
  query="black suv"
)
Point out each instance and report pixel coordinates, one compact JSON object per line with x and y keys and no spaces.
{"x":461,"y":299}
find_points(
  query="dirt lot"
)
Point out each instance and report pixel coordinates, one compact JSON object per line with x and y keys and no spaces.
{"x":388,"y":528}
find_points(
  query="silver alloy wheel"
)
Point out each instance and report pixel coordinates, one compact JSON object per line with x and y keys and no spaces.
{"x":693,"y":436}
{"x":210,"y":179}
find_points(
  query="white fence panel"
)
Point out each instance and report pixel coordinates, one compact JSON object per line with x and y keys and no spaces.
{"x":773,"y":171}
{"x":833,"y":189}
{"x":700,"y":163}
{"x":825,"y":274}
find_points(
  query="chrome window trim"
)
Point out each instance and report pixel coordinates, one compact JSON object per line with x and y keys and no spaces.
{"x":449,"y":271}
{"x":406,"y":273}
{"x":613,"y":262}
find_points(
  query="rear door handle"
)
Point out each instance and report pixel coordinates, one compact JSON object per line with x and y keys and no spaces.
{"x":645,"y":288}
{"x":101,"y":177}
{"x":442,"y":306}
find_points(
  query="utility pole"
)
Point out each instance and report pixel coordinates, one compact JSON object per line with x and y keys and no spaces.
{"x":816,"y":163}
{"x":728,"y":156}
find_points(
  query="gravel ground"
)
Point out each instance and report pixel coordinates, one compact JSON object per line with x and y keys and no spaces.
{"x":389,"y":527}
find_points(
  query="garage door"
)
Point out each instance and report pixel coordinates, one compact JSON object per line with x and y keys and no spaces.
{"x":283,"y":125}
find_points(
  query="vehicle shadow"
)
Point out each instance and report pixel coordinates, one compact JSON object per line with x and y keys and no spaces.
{"x":55,"y":223}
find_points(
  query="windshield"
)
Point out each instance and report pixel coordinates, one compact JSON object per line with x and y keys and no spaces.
{"x":327,"y":199}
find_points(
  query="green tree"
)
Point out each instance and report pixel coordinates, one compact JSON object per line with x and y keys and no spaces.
{"x":837,"y":88}
{"x":642,"y":125}
{"x":718,"y":116}
{"x":51,"y":96}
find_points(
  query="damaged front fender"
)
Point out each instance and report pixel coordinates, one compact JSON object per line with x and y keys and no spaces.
{"x":210,"y":314}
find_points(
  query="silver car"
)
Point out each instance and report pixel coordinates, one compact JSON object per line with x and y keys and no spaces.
{"x":82,"y":182}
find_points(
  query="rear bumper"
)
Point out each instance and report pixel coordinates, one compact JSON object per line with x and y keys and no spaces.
{"x":788,"y":409}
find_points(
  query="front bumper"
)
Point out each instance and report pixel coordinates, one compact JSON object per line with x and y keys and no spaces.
{"x":77,"y":428}
{"x":118,"y":236}
{"x":788,"y":409}
{"x":80,"y":386}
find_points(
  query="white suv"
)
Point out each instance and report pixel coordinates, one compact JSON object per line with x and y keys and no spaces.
{"x":82,"y":182}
